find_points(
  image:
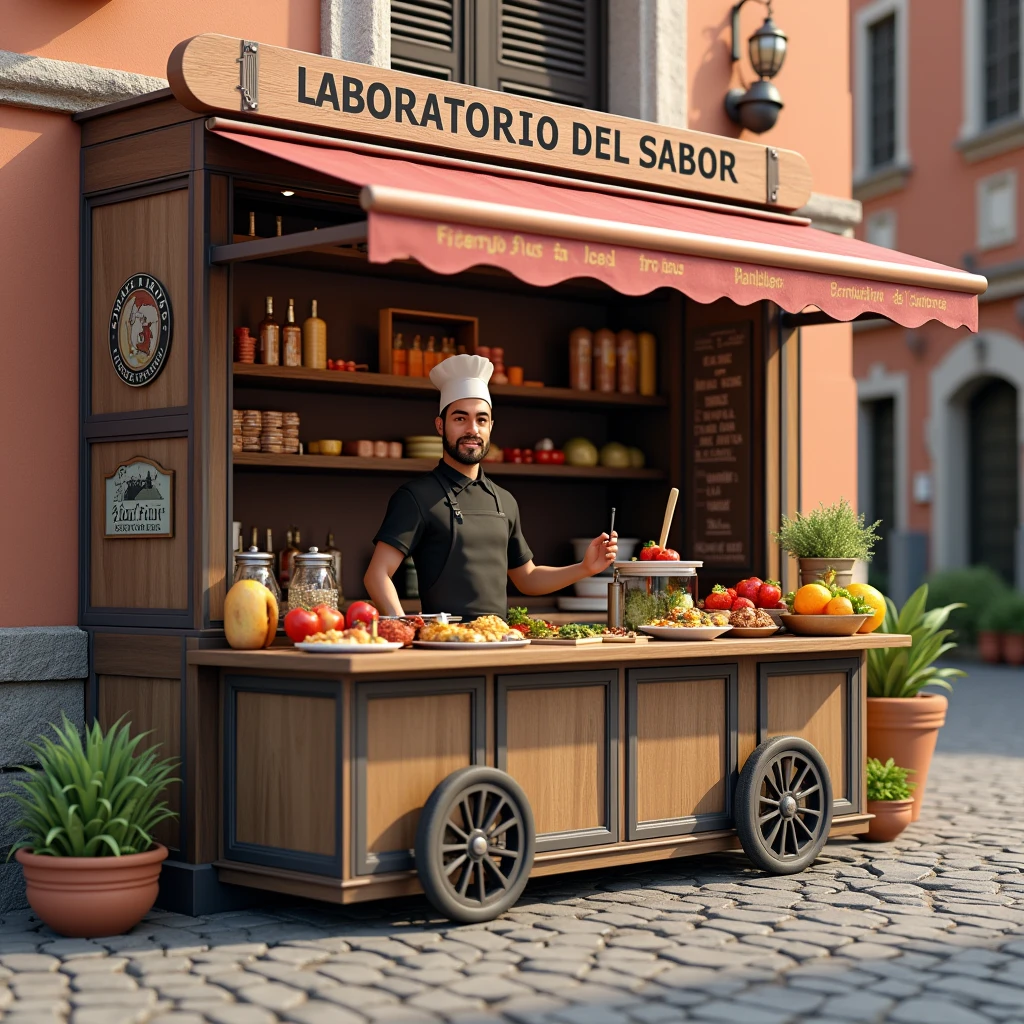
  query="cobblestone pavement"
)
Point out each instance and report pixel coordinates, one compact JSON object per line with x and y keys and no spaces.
{"x":928,"y":929}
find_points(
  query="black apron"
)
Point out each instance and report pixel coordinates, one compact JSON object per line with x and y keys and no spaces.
{"x":473,"y":580}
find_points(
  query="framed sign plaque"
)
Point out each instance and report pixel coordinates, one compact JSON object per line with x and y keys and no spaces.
{"x":139,"y":500}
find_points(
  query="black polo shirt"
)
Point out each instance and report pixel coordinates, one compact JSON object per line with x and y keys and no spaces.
{"x":418,"y":522}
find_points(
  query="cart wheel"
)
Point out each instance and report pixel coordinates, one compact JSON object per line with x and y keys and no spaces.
{"x":474,"y":844}
{"x":783,"y":805}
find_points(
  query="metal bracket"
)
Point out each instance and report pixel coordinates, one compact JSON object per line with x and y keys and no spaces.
{"x":249,"y":75}
{"x":772,"y":155}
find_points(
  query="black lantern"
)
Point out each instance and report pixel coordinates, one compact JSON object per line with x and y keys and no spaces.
{"x":757,"y":108}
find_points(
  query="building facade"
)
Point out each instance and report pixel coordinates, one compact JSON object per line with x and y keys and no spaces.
{"x":660,"y":60}
{"x":938,"y":153}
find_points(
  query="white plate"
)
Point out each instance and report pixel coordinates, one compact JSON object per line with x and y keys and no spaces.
{"x":685,"y":632}
{"x":583,"y":604}
{"x":445,"y":644}
{"x":344,"y":648}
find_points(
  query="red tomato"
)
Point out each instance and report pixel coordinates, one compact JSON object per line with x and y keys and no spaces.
{"x":742,"y":602}
{"x":361,"y":611}
{"x":666,"y":555}
{"x":300,"y":623}
{"x":749,"y":588}
{"x":330,"y":618}
{"x":543,"y":458}
{"x":650,"y":552}
{"x":769,"y":594}
{"x":558,"y":457}
{"x":718,"y":599}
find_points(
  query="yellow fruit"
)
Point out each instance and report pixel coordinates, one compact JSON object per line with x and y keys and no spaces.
{"x":873,"y":598}
{"x":839,"y":606}
{"x":250,"y":616}
{"x":811,"y":599}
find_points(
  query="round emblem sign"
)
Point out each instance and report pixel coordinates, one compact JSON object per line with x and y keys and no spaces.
{"x":140,"y":330}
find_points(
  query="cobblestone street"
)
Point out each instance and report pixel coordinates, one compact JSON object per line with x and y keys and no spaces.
{"x":927,"y":930}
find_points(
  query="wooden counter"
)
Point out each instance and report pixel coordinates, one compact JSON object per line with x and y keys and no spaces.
{"x":625,"y":752}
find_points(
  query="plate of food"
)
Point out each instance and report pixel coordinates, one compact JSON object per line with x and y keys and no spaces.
{"x":824,"y":625}
{"x":484,"y":631}
{"x":621,"y":635}
{"x":751,"y":623}
{"x":681,"y":632}
{"x":346,"y":641}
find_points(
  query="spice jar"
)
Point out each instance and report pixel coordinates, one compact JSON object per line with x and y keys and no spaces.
{"x":259,"y":566}
{"x":580,"y":359}
{"x":604,"y":360}
{"x":625,"y":361}
{"x":648,"y":363}
{"x":653,"y":590}
{"x":313,"y":581}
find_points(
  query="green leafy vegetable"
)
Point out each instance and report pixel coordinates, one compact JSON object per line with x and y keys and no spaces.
{"x":517,"y":617}
{"x":577,"y":631}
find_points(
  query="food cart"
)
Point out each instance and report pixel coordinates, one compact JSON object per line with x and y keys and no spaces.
{"x":499,"y":220}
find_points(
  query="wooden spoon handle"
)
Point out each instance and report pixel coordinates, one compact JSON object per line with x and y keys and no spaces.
{"x":670,"y":509}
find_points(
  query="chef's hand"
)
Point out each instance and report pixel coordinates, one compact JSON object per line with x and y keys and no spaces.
{"x":601,"y":552}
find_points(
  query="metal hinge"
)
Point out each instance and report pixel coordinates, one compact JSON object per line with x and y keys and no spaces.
{"x":773,"y":174}
{"x":249,"y":75}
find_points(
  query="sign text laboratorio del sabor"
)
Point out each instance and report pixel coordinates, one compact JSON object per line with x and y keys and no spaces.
{"x":322,"y":92}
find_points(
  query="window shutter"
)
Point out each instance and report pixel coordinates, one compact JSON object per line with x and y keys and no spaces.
{"x":426,"y":38}
{"x":1002,"y":59}
{"x":882,"y":96}
{"x":548,"y":49}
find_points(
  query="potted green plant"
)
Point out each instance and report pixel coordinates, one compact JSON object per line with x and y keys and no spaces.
{"x":903,"y":722}
{"x":979,"y":587}
{"x":1010,"y":617}
{"x":889,"y":799}
{"x":828,"y":537}
{"x":90,"y":862}
{"x":990,"y":634}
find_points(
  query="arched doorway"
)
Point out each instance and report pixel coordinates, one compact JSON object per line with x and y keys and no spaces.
{"x":993,"y":477}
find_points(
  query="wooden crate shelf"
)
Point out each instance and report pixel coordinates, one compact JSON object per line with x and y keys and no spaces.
{"x":299,"y":378}
{"x":353,"y":464}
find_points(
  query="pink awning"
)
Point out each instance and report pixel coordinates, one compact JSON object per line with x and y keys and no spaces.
{"x":450,"y":219}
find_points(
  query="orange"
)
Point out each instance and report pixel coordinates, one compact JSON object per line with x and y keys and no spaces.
{"x":875,"y":599}
{"x":811,"y":599}
{"x":839,"y":606}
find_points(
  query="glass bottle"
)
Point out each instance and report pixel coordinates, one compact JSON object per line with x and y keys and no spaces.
{"x":252,"y":223}
{"x":257,"y":565}
{"x":399,"y":357}
{"x":270,"y":549}
{"x":291,"y":337}
{"x":648,"y":363}
{"x":416,"y":358}
{"x":430,"y":357}
{"x":270,"y":337}
{"x":288,"y":557}
{"x":335,"y":554}
{"x":282,"y":559}
{"x":278,"y":220}
{"x":604,"y":360}
{"x":314,"y":341}
{"x":626,"y":362}
{"x":255,"y":539}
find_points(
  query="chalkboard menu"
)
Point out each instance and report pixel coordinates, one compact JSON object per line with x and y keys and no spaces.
{"x":718,"y":444}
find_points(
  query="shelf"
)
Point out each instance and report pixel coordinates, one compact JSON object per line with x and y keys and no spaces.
{"x":300,"y":378}
{"x":353,"y":464}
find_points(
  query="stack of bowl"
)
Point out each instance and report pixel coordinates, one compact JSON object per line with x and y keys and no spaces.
{"x":423,"y":446}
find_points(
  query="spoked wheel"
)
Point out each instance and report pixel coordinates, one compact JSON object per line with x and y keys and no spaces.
{"x":474,"y":844}
{"x":784,"y":805}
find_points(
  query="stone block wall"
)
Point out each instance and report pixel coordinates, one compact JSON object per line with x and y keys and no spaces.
{"x":43,"y":671}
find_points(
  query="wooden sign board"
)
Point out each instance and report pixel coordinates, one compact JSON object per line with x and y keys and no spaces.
{"x":139,"y":500}
{"x":223,"y":74}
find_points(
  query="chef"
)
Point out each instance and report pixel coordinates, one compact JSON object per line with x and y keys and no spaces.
{"x":464,"y":531}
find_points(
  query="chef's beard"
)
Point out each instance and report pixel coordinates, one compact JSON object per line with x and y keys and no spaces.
{"x":466,"y":457}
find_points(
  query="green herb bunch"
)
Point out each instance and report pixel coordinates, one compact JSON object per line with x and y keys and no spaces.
{"x":888,"y":781}
{"x":518,"y":616}
{"x":97,"y":799}
{"x":829,"y":531}
{"x":905,"y":671}
{"x":577,"y":631}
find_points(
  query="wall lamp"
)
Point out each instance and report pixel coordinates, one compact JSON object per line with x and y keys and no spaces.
{"x":757,"y":108}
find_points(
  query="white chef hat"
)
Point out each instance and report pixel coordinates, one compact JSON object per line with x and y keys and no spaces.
{"x":462,"y":376}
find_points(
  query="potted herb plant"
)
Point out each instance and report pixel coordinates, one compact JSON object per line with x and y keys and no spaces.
{"x":1011,"y":626}
{"x":903,"y":722}
{"x":90,"y":862}
{"x":828,"y":537}
{"x":991,"y":623}
{"x":889,"y":800}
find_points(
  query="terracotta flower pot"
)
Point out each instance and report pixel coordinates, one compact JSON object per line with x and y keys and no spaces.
{"x":990,"y":646}
{"x":1013,"y":648}
{"x":905,"y":729}
{"x":90,"y":897}
{"x":891,"y":818}
{"x":813,"y":569}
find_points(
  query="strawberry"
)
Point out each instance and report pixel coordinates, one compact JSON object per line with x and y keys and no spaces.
{"x":666,"y":555}
{"x":742,"y":602}
{"x":650,"y":552}
{"x":748,"y":589}
{"x":718,"y":599}
{"x":769,"y":594}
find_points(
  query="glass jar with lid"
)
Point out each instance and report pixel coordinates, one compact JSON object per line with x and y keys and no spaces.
{"x":652,"y":591}
{"x":257,"y":565}
{"x":313,"y":581}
